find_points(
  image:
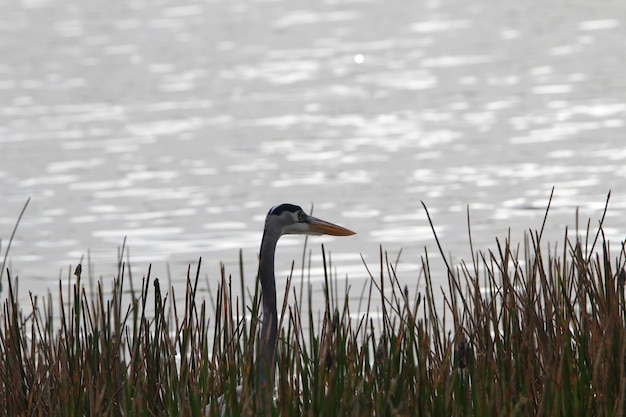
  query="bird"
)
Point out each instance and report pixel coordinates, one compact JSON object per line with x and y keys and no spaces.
{"x":282,"y":219}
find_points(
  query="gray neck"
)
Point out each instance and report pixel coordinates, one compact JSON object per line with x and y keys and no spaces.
{"x":266,"y":360}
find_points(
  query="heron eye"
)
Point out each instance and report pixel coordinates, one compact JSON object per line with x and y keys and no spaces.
{"x":301,"y":216}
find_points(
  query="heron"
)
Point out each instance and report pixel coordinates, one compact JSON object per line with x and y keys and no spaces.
{"x":282,"y":219}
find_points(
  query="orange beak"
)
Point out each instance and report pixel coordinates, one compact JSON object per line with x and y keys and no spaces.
{"x":323,"y":227}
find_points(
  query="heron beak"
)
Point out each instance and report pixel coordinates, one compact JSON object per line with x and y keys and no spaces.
{"x":322,"y":227}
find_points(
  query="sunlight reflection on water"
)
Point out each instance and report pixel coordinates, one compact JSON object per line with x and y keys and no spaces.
{"x":178,"y":125}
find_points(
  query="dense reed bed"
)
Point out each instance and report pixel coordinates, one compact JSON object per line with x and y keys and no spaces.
{"x":523,"y":331}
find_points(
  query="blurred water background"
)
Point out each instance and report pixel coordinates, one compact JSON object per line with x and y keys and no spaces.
{"x":178,"y":124}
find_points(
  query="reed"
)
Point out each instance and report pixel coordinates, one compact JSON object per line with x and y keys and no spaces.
{"x":523,"y":331}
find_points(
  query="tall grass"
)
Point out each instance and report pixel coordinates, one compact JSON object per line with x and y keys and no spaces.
{"x":523,"y":331}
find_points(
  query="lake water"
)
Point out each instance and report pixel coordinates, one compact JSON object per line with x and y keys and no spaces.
{"x":178,"y":124}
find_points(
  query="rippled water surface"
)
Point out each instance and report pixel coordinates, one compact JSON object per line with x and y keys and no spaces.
{"x":178,"y":124}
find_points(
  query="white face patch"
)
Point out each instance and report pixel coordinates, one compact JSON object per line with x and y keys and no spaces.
{"x":296,"y":229}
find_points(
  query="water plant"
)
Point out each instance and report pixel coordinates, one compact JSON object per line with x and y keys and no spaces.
{"x":522,"y":330}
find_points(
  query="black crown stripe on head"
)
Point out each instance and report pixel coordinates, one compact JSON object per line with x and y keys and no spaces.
{"x":278,"y":209}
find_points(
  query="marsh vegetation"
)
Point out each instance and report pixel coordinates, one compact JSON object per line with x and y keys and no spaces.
{"x":528,"y":329}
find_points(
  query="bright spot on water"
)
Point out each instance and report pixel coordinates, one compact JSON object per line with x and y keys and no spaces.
{"x":599,"y":24}
{"x":432,"y":26}
{"x":359,"y":59}
{"x":551,"y":89}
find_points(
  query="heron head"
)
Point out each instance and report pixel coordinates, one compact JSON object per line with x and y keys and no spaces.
{"x":291,"y":219}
